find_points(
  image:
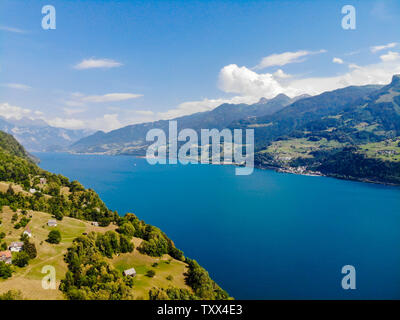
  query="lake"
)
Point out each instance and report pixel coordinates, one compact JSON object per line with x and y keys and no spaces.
{"x":265,"y":236}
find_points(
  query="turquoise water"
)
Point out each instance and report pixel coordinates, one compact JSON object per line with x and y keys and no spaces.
{"x":265,"y":236}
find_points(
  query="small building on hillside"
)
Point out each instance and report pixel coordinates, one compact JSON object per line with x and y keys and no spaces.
{"x":130,"y":272}
{"x":6,"y":256}
{"x":52,"y":223}
{"x":43,"y":181}
{"x":28,"y":232}
{"x":94,"y":223}
{"x":16,"y":246}
{"x":31,"y":190}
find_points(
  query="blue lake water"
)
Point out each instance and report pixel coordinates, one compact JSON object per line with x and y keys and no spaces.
{"x":264,"y":236}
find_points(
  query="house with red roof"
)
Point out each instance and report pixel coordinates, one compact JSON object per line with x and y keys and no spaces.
{"x":6,"y":256}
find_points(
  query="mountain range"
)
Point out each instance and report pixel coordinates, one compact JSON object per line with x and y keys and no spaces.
{"x":132,"y":139}
{"x":351,"y":133}
{"x":38,"y":136}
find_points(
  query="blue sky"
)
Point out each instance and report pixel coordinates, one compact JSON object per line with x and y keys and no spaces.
{"x":113,"y":63}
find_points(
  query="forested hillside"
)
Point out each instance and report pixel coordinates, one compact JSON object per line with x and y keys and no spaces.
{"x":89,"y":262}
{"x":352,"y":133}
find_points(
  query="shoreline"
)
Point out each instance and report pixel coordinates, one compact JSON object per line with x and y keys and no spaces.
{"x":263,"y":167}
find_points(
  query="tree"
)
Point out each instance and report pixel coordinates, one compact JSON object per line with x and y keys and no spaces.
{"x":30,"y":249}
{"x":5,"y":270}
{"x":21,"y":259}
{"x":125,"y":245}
{"x":54,"y":237}
{"x":127,"y":229}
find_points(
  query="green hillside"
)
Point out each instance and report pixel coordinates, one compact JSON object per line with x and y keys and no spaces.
{"x":352,"y":133}
{"x":89,"y":259}
{"x":10,"y":145}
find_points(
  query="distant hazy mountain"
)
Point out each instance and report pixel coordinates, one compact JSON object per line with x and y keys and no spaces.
{"x":131,"y":139}
{"x":38,"y":136}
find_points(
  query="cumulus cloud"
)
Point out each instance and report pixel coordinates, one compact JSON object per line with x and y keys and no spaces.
{"x":18,"y":86}
{"x":106,"y":122}
{"x":282,"y":59}
{"x":8,"y":111}
{"x":337,"y":60}
{"x":281,"y":74}
{"x":191,"y":107}
{"x":246,"y":82}
{"x":390,"y":56}
{"x":383,"y":47}
{"x":66,"y":123}
{"x":97,"y":63}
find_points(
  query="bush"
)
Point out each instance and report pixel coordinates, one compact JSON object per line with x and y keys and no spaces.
{"x":54,"y":237}
{"x":150,"y":273}
{"x":11,"y":295}
{"x":5,"y":270}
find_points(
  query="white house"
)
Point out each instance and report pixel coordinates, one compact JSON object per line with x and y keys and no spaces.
{"x":32,"y":190}
{"x":52,"y":223}
{"x":130,"y":272}
{"x":96,"y":224}
{"x":16,"y":246}
{"x":28,"y":232}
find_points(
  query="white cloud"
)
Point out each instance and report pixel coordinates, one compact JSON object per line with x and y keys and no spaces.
{"x":145,"y":112}
{"x":18,"y":86}
{"x":107,"y":122}
{"x":110,"y":97}
{"x":72,"y":111}
{"x":66,"y":123}
{"x":281,"y":74}
{"x":282,"y":59}
{"x":190,"y":107}
{"x":11,"y":29}
{"x":247,"y":83}
{"x":337,"y":60}
{"x":97,"y":63}
{"x":74,"y":103}
{"x":383,"y":47}
{"x":8,"y":111}
{"x":390,"y":56}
